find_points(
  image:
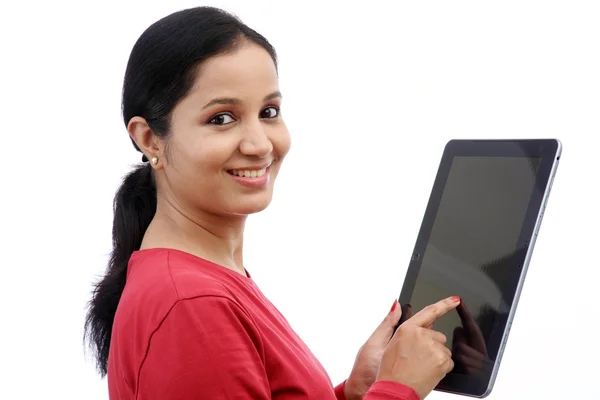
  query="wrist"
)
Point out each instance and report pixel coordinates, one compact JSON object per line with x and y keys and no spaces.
{"x":351,"y":392}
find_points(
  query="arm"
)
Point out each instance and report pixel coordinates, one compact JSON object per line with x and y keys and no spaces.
{"x":208,"y":348}
{"x":388,"y":390}
{"x":381,"y":390}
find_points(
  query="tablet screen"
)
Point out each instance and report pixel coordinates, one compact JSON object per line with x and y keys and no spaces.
{"x":470,"y":250}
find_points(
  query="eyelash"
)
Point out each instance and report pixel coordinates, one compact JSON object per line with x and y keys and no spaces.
{"x":212,"y":120}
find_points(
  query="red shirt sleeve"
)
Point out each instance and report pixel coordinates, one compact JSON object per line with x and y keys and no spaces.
{"x":206,"y":347}
{"x":339,"y":391}
{"x":388,"y":390}
{"x":382,"y":390}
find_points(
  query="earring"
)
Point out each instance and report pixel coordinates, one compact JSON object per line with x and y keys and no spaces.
{"x":154,"y":160}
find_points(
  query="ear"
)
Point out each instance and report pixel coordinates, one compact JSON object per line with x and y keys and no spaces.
{"x":143,"y":136}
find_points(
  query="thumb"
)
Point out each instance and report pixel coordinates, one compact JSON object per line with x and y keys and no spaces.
{"x":385,"y":330}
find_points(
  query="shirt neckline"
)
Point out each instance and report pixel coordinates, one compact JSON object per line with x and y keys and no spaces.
{"x":223,"y":268}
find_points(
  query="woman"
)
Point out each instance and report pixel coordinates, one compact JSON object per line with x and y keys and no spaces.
{"x":177,"y":316}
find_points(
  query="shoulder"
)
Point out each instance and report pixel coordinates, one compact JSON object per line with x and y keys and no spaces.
{"x":166,"y":273}
{"x":158,"y":280}
{"x":211,"y":325}
{"x":212,"y":349}
{"x":210,"y":313}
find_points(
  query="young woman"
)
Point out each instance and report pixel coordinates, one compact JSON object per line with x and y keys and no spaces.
{"x":177,"y":316}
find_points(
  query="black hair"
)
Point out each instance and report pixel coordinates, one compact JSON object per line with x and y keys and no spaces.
{"x":160,"y":72}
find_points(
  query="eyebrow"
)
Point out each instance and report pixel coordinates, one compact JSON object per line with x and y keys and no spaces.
{"x":232,"y":100}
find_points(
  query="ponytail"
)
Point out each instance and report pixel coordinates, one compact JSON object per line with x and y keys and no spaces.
{"x":134,"y":207}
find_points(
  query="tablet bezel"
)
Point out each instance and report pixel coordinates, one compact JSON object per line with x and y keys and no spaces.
{"x":549,"y":151}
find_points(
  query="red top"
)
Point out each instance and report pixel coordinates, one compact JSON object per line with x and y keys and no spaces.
{"x":186,"y":328}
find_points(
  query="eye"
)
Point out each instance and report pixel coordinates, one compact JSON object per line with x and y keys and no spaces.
{"x":221,"y":119}
{"x":270,"y":113}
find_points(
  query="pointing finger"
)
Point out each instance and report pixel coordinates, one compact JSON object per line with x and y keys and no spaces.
{"x":431,"y":313}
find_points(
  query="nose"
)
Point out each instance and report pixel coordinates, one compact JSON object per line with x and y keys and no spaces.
{"x":256,"y":141}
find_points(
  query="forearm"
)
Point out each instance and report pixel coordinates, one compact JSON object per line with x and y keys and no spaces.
{"x":388,"y":390}
{"x":380,"y":390}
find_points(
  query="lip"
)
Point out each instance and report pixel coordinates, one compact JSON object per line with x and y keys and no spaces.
{"x":254,"y":183}
{"x":252,"y":167}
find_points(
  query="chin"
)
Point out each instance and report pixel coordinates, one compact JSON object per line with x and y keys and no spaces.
{"x":251,"y":205}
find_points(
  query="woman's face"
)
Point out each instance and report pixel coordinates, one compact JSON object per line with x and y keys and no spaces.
{"x":228,"y":139}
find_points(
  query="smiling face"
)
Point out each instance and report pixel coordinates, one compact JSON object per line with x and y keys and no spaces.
{"x":227,"y":138}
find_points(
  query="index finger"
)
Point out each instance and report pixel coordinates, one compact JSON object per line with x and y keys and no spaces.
{"x":429,"y":314}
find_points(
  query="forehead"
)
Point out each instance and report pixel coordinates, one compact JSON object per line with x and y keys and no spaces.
{"x":246,"y":72}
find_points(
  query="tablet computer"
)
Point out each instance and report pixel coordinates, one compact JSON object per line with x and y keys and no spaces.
{"x":476,"y":241}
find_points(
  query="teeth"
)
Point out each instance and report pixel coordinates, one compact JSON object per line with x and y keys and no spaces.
{"x":246,"y":173}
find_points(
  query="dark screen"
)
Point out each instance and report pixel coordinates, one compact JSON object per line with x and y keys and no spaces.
{"x":473,"y":240}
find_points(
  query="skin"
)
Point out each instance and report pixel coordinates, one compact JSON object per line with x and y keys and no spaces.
{"x":414,"y":355}
{"x":201,"y":209}
{"x":231,"y":120}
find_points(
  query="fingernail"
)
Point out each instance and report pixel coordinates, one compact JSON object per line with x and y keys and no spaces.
{"x":394,"y":306}
{"x":456,"y":299}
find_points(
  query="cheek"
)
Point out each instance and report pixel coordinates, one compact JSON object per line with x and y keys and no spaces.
{"x":282,"y":142}
{"x":208,"y":155}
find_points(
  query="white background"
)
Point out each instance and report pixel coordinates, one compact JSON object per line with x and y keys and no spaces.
{"x":372,"y":92}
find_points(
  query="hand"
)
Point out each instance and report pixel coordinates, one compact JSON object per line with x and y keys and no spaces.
{"x":468,"y":348}
{"x":416,"y":355}
{"x":367,"y":361}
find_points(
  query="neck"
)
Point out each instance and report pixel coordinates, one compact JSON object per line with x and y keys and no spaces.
{"x":216,"y":238}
